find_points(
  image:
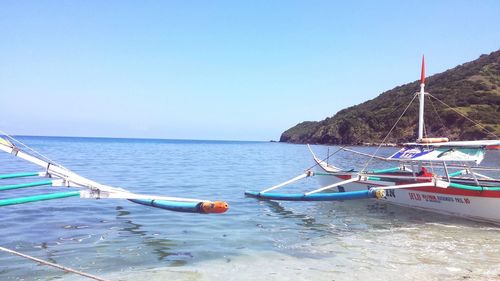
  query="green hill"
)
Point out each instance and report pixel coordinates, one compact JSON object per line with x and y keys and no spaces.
{"x":472,"y":88}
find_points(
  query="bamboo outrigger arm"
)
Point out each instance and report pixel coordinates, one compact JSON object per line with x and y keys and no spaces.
{"x":374,"y":192}
{"x":315,"y":195}
{"x":93,"y":190}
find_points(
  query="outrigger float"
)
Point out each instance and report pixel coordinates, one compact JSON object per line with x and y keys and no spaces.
{"x":434,"y":174}
{"x":58,"y":176}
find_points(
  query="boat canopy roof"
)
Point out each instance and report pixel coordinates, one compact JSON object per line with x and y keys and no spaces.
{"x":461,"y":144}
{"x":459,"y":151}
{"x":454,"y":151}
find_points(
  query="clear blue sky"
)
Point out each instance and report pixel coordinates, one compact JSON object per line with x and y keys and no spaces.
{"x":242,"y":70}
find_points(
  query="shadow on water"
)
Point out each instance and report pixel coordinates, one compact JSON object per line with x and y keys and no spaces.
{"x":304,"y":219}
{"x":345,"y":217}
{"x":162,"y":248}
{"x":131,"y":227}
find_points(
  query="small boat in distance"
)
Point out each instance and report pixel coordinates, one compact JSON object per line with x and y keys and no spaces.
{"x":433,"y":174}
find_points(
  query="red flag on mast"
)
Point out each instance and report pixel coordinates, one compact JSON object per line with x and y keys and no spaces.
{"x":422,"y":77}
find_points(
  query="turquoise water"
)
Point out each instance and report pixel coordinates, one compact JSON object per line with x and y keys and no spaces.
{"x":254,"y":240}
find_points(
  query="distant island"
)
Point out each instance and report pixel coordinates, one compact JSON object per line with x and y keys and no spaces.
{"x":472,"y":88}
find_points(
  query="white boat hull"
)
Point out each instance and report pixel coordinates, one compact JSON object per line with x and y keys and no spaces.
{"x":451,"y":201}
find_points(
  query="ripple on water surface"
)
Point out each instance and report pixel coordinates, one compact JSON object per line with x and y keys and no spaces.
{"x":255,"y":240}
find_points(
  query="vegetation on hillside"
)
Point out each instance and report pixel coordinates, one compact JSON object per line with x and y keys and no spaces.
{"x":472,"y":89}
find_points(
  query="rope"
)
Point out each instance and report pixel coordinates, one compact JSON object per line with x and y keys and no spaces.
{"x":31,"y":149}
{"x":366,"y":154}
{"x":67,"y":269}
{"x":464,"y":116}
{"x":428,"y":146}
{"x":328,"y":156}
{"x":447,"y":131}
{"x":387,"y":135}
{"x":443,"y":125}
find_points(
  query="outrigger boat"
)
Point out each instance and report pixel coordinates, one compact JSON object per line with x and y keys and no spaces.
{"x":434,"y":174}
{"x":58,"y":176}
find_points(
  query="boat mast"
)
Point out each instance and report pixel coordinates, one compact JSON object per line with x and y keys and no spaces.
{"x":421,"y":101}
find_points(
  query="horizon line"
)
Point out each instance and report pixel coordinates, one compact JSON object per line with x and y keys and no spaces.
{"x":138,"y":138}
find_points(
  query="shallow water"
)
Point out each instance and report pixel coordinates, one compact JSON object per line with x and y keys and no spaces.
{"x":261,"y":240}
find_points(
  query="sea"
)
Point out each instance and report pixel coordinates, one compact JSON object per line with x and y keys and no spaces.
{"x":255,"y":240}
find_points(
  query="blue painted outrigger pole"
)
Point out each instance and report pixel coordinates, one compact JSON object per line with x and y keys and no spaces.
{"x":185,"y":207}
{"x":90,"y":189}
{"x":337,"y":196}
